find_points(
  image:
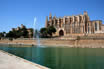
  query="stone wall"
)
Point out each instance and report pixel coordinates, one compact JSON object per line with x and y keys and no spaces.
{"x":81,"y":42}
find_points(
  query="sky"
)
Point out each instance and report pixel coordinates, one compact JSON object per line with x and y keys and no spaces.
{"x":13,"y":13}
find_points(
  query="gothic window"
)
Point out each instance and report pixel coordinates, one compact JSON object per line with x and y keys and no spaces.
{"x":48,"y":24}
{"x":72,"y":24}
{"x":99,"y":26}
{"x":88,"y":29}
{"x":80,"y":18}
{"x":70,"y":20}
{"x":56,"y":24}
{"x":73,"y":27}
{"x":83,"y":29}
{"x":95,"y":26}
{"x":52,"y":23}
{"x":62,"y":25}
{"x":88,"y":24}
{"x":75,"y":19}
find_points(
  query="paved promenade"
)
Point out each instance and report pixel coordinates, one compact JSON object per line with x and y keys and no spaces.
{"x":9,"y":61}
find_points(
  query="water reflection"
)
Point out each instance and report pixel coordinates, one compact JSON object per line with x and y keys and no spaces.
{"x":61,"y":57}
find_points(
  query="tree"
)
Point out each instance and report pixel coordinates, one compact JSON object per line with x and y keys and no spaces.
{"x":24,"y":32}
{"x":51,"y":30}
{"x":31,"y":30}
{"x":1,"y":35}
{"x":4,"y":33}
{"x":10,"y":34}
{"x":43,"y":32}
{"x":18,"y":33}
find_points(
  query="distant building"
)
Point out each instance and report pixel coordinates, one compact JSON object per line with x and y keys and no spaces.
{"x":30,"y":32}
{"x":22,"y":26}
{"x":79,"y":24}
{"x":18,"y":28}
{"x":28,"y":29}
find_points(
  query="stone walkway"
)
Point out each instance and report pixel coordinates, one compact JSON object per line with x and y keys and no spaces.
{"x":9,"y":61}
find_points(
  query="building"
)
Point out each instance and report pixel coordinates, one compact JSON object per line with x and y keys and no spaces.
{"x":102,"y":28}
{"x":79,"y":24}
{"x":30,"y":32}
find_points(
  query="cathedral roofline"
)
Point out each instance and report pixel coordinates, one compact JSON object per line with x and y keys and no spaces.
{"x":96,"y":20}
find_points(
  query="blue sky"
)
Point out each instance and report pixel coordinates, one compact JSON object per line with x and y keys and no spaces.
{"x":13,"y":13}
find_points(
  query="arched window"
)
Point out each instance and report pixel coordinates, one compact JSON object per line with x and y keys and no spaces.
{"x":95,"y":26}
{"x":75,"y":19}
{"x":88,"y":24}
{"x":83,"y":29}
{"x":70,"y":20}
{"x":88,"y":28}
{"x":80,"y":18}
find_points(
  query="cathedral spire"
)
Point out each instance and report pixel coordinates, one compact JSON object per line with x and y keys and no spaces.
{"x":86,"y":16}
{"x":46,"y":21}
{"x":50,"y":15}
{"x":85,"y":13}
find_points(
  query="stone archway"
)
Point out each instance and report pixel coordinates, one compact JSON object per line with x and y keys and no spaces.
{"x":61,"y":33}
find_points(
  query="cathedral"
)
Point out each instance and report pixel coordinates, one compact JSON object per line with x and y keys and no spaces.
{"x":70,"y":25}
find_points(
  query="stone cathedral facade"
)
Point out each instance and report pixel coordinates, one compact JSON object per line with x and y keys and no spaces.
{"x":79,"y":24}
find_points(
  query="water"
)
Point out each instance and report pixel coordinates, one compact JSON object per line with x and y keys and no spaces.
{"x":36,"y":33}
{"x":61,"y":57}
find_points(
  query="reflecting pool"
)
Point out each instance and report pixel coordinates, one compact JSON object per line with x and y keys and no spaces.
{"x":60,"y":57}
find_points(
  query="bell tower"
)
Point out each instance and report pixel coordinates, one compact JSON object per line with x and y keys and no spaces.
{"x":50,"y":17}
{"x":46,"y":24}
{"x":86,"y":16}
